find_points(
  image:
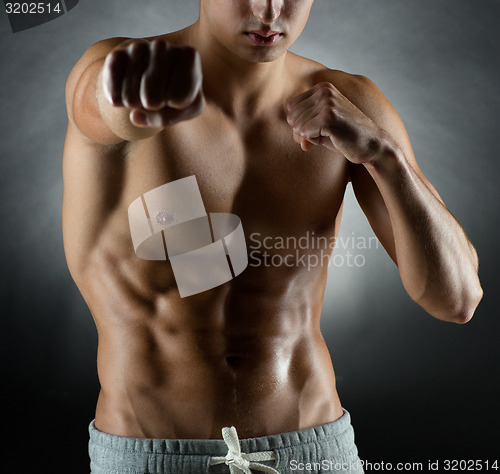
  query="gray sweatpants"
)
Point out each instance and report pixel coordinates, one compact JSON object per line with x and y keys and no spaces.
{"x":321,"y":449}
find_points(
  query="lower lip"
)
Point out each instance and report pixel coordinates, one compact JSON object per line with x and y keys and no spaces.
{"x":263,"y":40}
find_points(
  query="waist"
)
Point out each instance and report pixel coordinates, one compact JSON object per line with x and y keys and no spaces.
{"x":215,"y":446}
{"x":193,"y":391}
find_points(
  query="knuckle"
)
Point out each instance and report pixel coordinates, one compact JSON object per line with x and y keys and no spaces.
{"x":327,"y":85}
{"x":131,"y":48}
{"x":329,"y":102}
{"x":155,"y":43}
{"x":157,"y":50}
{"x":115,"y":60}
{"x":327,"y":92}
{"x":114,"y":55}
{"x":138,"y":49}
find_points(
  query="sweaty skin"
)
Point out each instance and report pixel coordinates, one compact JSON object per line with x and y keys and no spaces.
{"x":248,"y":353}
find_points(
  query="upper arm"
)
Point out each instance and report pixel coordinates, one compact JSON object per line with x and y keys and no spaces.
{"x":93,"y":180}
{"x":368,"y":98}
{"x":81,"y":99}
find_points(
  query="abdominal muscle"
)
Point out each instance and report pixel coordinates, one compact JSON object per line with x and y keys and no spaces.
{"x":236,"y":356}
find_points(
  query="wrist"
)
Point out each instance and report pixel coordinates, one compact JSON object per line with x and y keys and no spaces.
{"x":389,"y":156}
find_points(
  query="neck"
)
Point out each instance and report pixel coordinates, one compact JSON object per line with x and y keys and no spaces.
{"x":238,"y":87}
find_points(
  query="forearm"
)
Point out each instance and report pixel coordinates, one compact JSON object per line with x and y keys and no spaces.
{"x":437,"y":263}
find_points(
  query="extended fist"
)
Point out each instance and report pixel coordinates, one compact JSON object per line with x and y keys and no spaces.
{"x":161,"y":83}
{"x":323,"y":116}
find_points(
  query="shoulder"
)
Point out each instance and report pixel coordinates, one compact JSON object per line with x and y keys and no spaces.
{"x":95,"y":52}
{"x":357,"y":88}
{"x":314,"y":72}
{"x":362,"y":92}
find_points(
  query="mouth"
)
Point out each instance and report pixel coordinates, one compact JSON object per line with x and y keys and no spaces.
{"x":264,"y":38}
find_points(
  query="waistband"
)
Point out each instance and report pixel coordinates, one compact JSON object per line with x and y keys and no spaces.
{"x":218,"y":447}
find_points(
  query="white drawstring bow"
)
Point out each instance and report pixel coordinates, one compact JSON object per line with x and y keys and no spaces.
{"x":239,"y":462}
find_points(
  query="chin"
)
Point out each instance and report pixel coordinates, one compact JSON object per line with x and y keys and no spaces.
{"x":262,"y":55}
{"x":268,"y":58}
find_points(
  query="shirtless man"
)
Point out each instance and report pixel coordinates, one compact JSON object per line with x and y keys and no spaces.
{"x":273,"y":138}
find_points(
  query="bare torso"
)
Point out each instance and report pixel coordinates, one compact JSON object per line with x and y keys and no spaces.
{"x":248,"y":353}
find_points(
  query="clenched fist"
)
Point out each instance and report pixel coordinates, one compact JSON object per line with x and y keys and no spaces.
{"x":161,"y":83}
{"x":322,"y":115}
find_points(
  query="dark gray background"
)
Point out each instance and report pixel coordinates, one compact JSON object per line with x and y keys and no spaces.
{"x":417,"y":388}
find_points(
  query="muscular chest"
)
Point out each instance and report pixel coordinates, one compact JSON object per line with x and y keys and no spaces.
{"x":258,"y":173}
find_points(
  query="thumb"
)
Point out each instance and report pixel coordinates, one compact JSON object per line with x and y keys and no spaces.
{"x":307,"y":143}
